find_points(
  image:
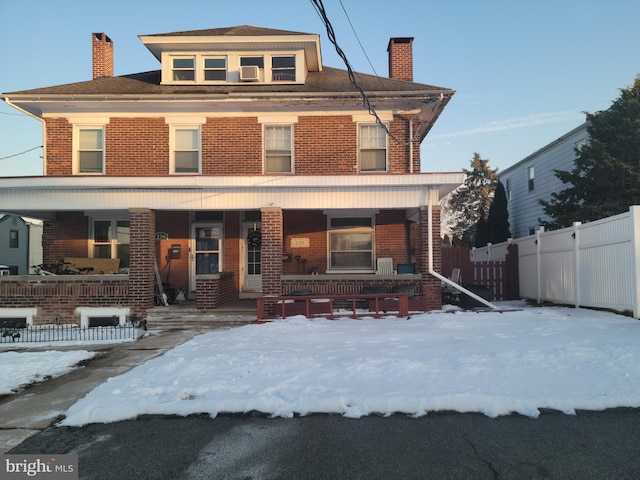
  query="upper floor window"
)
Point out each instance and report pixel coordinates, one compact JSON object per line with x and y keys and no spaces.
{"x":215,"y":69}
{"x":278,"y":149}
{"x":373,"y":148}
{"x":532,"y":176}
{"x":185,"y":149}
{"x":184,"y":69}
{"x":508,"y":188}
{"x":13,"y":239}
{"x":90,"y":150}
{"x":283,"y":69}
{"x":351,"y":243}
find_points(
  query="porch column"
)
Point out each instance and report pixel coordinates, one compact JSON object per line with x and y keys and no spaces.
{"x":142,"y":257}
{"x":271,"y":262}
{"x":431,"y":289}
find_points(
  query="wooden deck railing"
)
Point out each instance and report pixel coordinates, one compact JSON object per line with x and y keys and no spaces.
{"x":323,"y":305}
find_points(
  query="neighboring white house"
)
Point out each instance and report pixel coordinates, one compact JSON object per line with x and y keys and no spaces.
{"x":533,"y":179}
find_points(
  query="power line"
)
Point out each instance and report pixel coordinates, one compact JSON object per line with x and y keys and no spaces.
{"x":21,"y":153}
{"x":358,"y":39}
{"x":332,"y":38}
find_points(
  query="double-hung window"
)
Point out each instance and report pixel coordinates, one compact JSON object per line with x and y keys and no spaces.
{"x":278,"y":149}
{"x":351,"y":243}
{"x":111,"y":239}
{"x":532,"y":177}
{"x":215,"y":69}
{"x":184,"y":69}
{"x":283,"y":69}
{"x":373,"y":148}
{"x":13,"y":239}
{"x":185,"y":149}
{"x":89,"y":149}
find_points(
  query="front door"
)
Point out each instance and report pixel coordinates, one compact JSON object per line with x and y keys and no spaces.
{"x":252,"y":258}
{"x":206,"y":242}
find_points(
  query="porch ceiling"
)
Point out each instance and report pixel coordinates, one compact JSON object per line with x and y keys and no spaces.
{"x":41,"y":196}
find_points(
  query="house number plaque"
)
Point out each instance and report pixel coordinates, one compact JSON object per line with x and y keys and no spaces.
{"x":300,"y":243}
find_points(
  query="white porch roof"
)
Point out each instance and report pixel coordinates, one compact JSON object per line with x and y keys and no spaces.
{"x":41,"y":196}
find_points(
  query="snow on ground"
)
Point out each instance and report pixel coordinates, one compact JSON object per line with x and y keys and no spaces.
{"x":18,"y":369}
{"x":494,"y":363}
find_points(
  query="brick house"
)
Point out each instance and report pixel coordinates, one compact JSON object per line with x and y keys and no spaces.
{"x":243,"y":167}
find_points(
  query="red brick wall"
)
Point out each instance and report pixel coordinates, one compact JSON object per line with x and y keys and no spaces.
{"x":57,"y":297}
{"x":137,"y":146}
{"x":213,"y":292}
{"x":66,"y":236}
{"x":430,"y":285}
{"x":230,"y":146}
{"x":142,"y":259}
{"x":309,"y":224}
{"x":177,"y":226}
{"x":392,"y":236}
{"x":59,"y":147}
{"x":232,"y":247}
{"x":271,"y":220}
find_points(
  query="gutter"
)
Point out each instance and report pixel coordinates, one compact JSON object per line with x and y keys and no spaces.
{"x":442,"y":277}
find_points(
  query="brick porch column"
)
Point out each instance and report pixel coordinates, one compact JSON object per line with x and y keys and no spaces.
{"x":431,"y":289}
{"x":142,"y":257}
{"x":271,"y":263}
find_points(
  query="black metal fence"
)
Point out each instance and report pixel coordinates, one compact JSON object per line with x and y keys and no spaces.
{"x":71,"y":333}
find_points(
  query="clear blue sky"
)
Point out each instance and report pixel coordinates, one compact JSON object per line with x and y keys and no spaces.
{"x":524,"y":72}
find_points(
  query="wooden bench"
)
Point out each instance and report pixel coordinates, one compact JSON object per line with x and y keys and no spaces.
{"x":323,"y":305}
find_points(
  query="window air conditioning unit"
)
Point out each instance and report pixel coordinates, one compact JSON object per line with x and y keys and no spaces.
{"x":249,"y":73}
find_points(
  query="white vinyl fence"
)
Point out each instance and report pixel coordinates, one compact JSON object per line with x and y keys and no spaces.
{"x":596,"y":264}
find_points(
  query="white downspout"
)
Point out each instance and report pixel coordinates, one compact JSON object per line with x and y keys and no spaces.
{"x":442,"y":277}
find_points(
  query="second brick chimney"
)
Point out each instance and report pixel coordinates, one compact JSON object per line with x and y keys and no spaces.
{"x":401,"y":58}
{"x":102,"y":48}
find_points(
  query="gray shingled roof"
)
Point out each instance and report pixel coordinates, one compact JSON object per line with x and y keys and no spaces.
{"x":239,"y":31}
{"x":148,"y":83}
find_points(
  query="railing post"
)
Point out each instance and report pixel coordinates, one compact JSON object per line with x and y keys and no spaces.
{"x":634,"y":218}
{"x":576,"y":263}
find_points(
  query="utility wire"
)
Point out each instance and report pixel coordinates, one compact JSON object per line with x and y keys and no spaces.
{"x":358,"y":39}
{"x":21,"y":153}
{"x":332,"y":38}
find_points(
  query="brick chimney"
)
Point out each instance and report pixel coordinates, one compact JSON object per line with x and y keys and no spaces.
{"x":102,"y":47}
{"x":401,"y":58}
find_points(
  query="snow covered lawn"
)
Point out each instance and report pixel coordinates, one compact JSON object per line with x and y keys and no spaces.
{"x":18,"y":369}
{"x":494,"y":363}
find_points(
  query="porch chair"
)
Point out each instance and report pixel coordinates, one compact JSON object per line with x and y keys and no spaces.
{"x":385,"y":266}
{"x":450,"y":293}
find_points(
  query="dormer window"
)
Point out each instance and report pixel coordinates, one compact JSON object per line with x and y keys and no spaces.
{"x":184,"y":69}
{"x":215,"y":69}
{"x":283,"y":69}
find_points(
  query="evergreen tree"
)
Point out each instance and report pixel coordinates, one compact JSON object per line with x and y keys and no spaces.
{"x":605,"y":179}
{"x":471,"y":202}
{"x":498,"y":221}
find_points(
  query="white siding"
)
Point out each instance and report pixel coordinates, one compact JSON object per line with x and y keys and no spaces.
{"x":524,"y":206}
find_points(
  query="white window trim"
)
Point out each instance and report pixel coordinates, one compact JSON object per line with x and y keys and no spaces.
{"x":172,"y":159}
{"x":372,"y":229}
{"x":203,"y":58}
{"x":387,"y":167}
{"x":264,"y":147}
{"x":114,"y":238}
{"x":87,"y":312}
{"x":221,"y":246}
{"x":27,"y":313}
{"x":77,"y":127}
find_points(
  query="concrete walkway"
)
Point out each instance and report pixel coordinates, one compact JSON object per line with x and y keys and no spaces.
{"x":37,"y":407}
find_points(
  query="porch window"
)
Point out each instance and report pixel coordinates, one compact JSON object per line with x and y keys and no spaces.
{"x":215,"y":69}
{"x":111,"y":239}
{"x":351,"y":244}
{"x":283,"y":69}
{"x":278,"y":151}
{"x":90,"y":150}
{"x":373,"y":148}
{"x":186,"y":149}
{"x":184,"y":69}
{"x":208,"y":249}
